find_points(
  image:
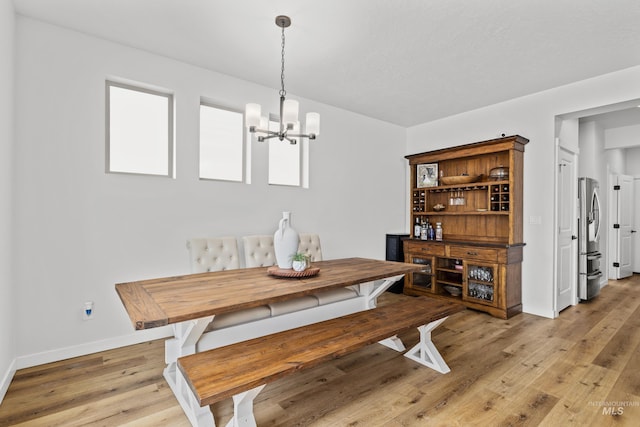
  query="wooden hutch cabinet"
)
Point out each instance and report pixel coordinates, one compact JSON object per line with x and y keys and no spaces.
{"x":479,"y":259}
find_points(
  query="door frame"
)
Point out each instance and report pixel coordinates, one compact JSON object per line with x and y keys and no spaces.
{"x":573,"y":208}
{"x":614,"y":244}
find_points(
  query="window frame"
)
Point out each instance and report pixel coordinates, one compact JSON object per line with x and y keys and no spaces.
{"x":243,"y":141}
{"x":170,"y":126}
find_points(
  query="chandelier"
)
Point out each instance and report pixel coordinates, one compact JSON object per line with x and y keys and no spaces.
{"x":289,"y":126}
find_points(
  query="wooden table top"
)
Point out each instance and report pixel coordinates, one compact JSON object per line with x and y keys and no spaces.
{"x":158,"y":302}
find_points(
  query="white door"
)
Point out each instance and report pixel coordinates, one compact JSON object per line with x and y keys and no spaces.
{"x":566,"y":293}
{"x":624,"y":225}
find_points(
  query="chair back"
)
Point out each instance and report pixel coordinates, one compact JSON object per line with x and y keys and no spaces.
{"x":258,"y":251}
{"x":310,"y":246}
{"x":213,"y":254}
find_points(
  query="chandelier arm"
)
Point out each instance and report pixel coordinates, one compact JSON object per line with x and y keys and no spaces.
{"x":265,"y":131}
{"x":272,"y":135}
{"x":291,"y":141}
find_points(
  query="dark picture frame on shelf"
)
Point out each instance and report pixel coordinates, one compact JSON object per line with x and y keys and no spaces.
{"x":427,"y":175}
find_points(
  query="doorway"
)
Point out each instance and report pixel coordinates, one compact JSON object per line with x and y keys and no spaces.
{"x":606,"y":142}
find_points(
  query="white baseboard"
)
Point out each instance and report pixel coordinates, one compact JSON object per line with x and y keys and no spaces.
{"x":6,"y":379}
{"x":550,"y":314}
{"x":91,"y":347}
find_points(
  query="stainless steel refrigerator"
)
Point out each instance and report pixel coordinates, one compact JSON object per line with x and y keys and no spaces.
{"x":589,"y":255}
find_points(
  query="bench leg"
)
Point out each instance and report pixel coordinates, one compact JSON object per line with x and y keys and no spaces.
{"x":394,"y":343}
{"x":243,"y":408}
{"x":186,"y":336}
{"x":425,"y":352}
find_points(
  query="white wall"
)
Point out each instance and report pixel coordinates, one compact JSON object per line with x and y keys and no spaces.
{"x":592,"y":152}
{"x":593,"y":163}
{"x":533,"y":117}
{"x":622,"y":137}
{"x":79,"y":231}
{"x":7,"y":321}
{"x":632,"y":158}
{"x":616,"y":161}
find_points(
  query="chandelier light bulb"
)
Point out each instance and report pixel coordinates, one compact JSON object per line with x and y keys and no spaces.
{"x":252,"y":115}
{"x":313,"y":124}
{"x":290,"y":112}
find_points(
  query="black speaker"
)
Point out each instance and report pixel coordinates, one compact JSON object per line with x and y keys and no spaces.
{"x":395,"y":252}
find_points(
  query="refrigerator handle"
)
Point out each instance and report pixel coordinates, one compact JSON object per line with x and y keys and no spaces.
{"x":594,"y":275}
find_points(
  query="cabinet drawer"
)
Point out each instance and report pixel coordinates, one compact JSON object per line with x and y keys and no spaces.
{"x":472,"y":252}
{"x":421,"y":248}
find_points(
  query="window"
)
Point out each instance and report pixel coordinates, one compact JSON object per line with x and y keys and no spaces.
{"x":221,"y":143}
{"x":139,"y":130}
{"x":284,"y":160}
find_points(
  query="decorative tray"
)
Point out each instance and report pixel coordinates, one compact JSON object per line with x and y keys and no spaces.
{"x":460,"y":179}
{"x":290,"y":272}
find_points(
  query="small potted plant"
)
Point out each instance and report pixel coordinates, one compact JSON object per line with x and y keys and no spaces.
{"x":300,"y":261}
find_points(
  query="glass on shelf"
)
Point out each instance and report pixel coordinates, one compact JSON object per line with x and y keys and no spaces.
{"x":481,"y":273}
{"x":480,"y":291}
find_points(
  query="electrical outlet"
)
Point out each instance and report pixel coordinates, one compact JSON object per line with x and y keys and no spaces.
{"x":88,"y":311}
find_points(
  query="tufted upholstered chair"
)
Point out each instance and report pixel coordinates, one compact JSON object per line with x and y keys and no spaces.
{"x":310,"y":245}
{"x":213,"y":254}
{"x":216,"y":254}
{"x":258,"y":251}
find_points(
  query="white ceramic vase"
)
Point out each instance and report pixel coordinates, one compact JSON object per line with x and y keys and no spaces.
{"x":285,"y":241}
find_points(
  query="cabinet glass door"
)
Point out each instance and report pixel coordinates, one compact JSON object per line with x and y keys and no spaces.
{"x":422,"y":279}
{"x":481,"y":284}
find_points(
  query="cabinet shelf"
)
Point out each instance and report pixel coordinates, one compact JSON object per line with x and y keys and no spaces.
{"x":449,"y":270}
{"x":484,"y":212}
{"x":484,"y":185}
{"x":448,"y":283}
{"x":481,"y":282}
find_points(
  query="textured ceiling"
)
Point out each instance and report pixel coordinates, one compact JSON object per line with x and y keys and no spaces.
{"x":405,"y":61}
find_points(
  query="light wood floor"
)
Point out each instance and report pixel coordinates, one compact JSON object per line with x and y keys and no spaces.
{"x":524,"y":371}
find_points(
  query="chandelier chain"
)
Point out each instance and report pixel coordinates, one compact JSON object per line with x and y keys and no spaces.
{"x":282,"y":91}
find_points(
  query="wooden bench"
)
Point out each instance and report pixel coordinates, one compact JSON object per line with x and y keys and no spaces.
{"x":241,"y":370}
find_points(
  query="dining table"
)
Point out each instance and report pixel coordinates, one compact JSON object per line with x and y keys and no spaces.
{"x":190,"y":302}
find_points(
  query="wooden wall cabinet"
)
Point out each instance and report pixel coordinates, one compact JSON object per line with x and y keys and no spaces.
{"x":479,"y":260}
